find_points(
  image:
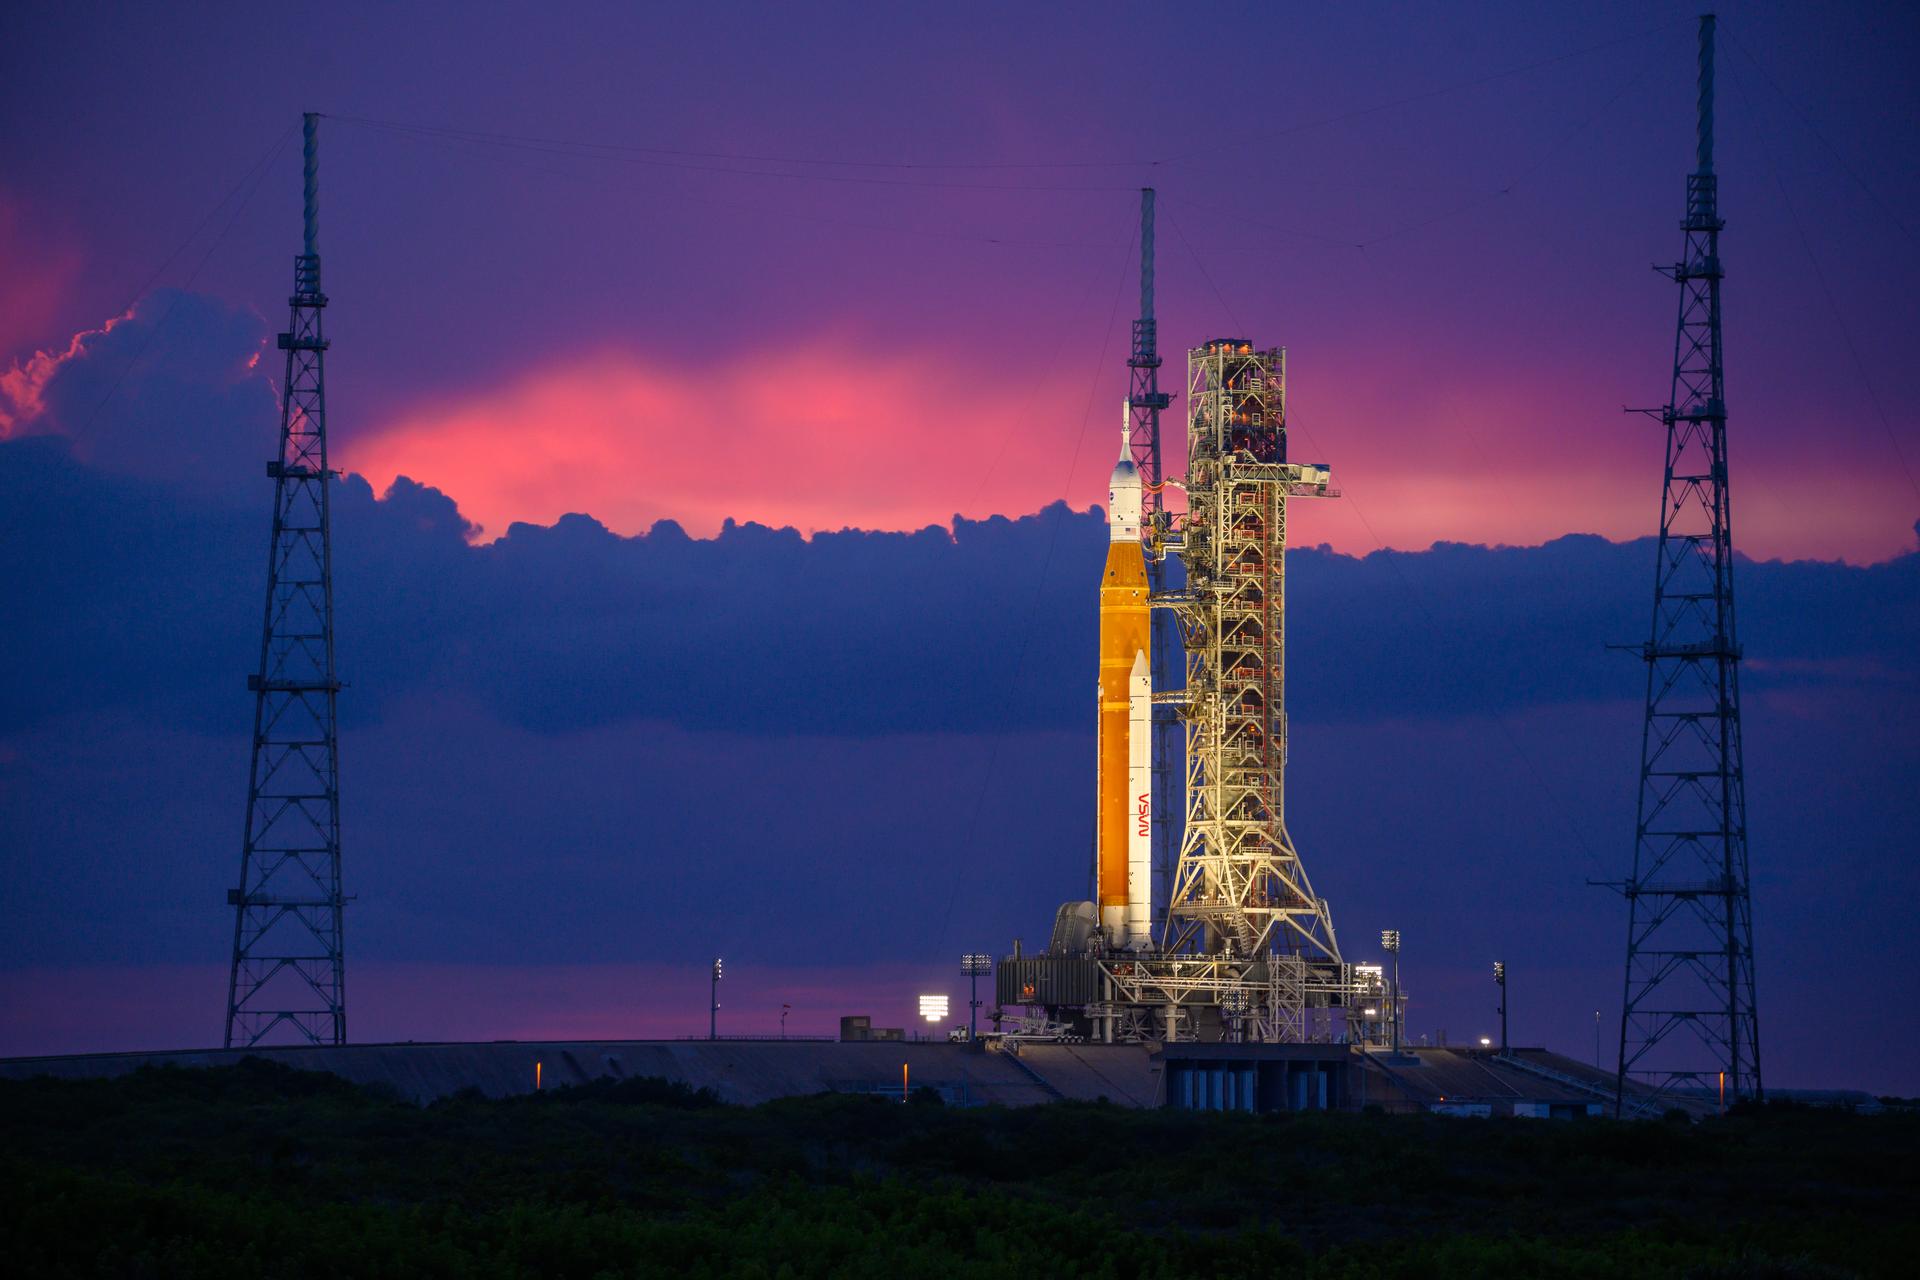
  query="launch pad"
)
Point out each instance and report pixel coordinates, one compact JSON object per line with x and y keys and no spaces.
{"x":1242,"y":949}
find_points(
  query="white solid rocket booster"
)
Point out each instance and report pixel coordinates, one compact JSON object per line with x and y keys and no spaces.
{"x":1140,"y":830}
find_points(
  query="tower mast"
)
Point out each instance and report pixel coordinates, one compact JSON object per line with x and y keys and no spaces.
{"x":1688,"y":1017}
{"x":1145,"y":400}
{"x":288,"y":976}
{"x":1240,"y":887}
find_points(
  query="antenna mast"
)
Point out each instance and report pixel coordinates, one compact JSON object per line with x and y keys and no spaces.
{"x":1688,"y":1019}
{"x":289,"y":963}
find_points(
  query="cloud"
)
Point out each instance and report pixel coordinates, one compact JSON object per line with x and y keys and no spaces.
{"x":977,"y":627}
{"x":830,"y":432}
{"x":172,"y":390}
{"x":823,"y":436}
{"x":471,"y":842}
{"x":23,"y":387}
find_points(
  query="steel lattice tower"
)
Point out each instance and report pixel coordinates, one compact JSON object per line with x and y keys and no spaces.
{"x":1240,"y":888}
{"x":289,"y":969}
{"x":1145,"y":400}
{"x":1688,"y":1018}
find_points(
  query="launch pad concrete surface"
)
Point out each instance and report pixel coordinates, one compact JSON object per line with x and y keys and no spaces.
{"x":748,"y":1072}
{"x":738,"y":1071}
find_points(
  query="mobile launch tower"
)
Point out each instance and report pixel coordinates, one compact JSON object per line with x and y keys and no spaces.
{"x":1245,"y":949}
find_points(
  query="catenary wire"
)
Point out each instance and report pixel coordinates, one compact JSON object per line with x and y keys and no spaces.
{"x":1806,"y":119}
{"x":1444,"y":90}
{"x":251,"y":182}
{"x":460,"y":148}
{"x":1563,"y":812}
{"x":1826,"y":286}
{"x":590,"y":146}
{"x":1040,"y":583}
{"x":506,"y":142}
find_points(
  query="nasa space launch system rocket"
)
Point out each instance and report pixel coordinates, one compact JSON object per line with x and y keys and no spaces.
{"x":1124,"y":823}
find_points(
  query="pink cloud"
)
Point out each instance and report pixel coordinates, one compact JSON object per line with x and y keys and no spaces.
{"x":41,"y":267}
{"x":23,"y":386}
{"x":835,"y":433}
{"x":831,"y":435}
{"x":816,"y":437}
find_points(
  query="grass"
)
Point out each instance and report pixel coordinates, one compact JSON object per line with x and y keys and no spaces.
{"x":260,"y":1170}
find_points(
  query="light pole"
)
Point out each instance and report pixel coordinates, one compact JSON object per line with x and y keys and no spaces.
{"x":1500,"y":977}
{"x":785,"y":1009}
{"x":1390,"y":941}
{"x":713,"y":1006}
{"x":973,"y":965}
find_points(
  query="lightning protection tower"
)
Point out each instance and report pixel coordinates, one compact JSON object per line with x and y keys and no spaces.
{"x":1688,"y":1019}
{"x":1145,"y":400}
{"x":289,"y":970}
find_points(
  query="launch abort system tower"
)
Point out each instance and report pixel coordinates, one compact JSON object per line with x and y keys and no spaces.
{"x":1688,"y":1019}
{"x":288,"y":976}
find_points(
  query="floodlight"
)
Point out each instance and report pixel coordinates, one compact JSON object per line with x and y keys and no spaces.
{"x":1390,"y":939}
{"x":1500,"y":973}
{"x":1486,"y":1042}
{"x":973,"y":963}
{"x":933,"y":1008}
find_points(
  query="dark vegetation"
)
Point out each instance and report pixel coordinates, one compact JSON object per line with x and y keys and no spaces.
{"x":258,"y":1170}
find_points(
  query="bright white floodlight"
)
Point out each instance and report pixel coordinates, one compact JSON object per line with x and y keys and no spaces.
{"x":1486,"y":1042}
{"x":933,"y":1008}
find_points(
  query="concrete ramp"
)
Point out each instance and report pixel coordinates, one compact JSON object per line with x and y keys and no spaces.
{"x":1126,"y":1075}
{"x":738,"y":1071}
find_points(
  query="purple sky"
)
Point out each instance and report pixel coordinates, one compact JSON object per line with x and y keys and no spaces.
{"x":871,"y":268}
{"x":898,"y":344}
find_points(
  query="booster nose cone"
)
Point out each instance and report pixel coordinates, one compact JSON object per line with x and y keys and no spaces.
{"x":1123,"y":491}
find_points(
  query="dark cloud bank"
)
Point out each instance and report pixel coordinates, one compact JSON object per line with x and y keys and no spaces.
{"x":139,"y":597}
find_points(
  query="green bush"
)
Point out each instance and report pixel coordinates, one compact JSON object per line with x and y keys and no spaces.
{"x":263,"y":1171}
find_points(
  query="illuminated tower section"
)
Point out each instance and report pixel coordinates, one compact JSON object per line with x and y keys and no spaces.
{"x":288,"y":978}
{"x":1239,"y":888}
{"x":1123,"y":848}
